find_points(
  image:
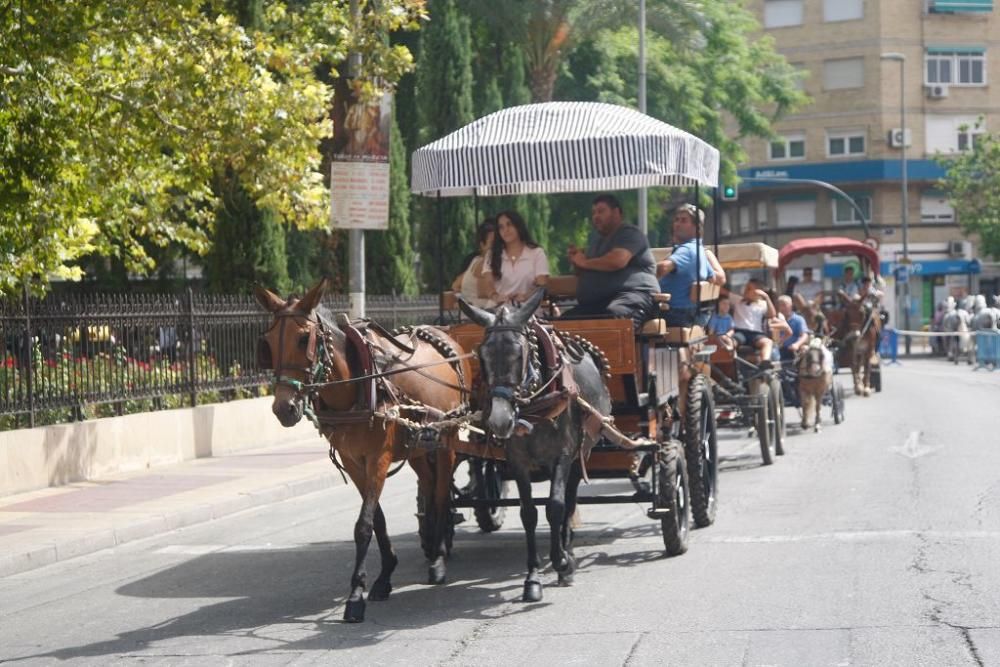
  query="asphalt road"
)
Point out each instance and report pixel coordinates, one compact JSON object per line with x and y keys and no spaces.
{"x":875,"y":542}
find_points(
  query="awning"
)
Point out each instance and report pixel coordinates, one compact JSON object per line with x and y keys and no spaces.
{"x":562,"y":147}
{"x":959,"y":6}
{"x":743,"y":256}
{"x":828,"y":245}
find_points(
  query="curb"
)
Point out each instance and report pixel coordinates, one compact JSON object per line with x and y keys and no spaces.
{"x":152,"y":526}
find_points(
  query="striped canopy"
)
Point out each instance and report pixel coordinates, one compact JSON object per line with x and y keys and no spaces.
{"x":562,"y":147}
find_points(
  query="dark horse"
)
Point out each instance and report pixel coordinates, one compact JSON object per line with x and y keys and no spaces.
{"x":302,"y":348}
{"x":531,"y":409}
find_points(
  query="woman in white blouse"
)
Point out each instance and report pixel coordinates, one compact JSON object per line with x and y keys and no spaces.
{"x":475,"y":264}
{"x":518,"y":265}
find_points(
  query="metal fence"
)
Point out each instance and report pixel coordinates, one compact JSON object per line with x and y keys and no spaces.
{"x":70,"y":357}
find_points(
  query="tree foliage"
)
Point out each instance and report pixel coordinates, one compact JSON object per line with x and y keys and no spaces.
{"x":972,"y":183}
{"x":116,"y":117}
{"x":444,"y":103}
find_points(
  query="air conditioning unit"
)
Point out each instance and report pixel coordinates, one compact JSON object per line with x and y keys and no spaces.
{"x":898,"y":137}
{"x":959,"y":249}
{"x":937,"y":91}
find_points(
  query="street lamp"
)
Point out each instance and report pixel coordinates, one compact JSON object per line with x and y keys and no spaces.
{"x":901,"y":59}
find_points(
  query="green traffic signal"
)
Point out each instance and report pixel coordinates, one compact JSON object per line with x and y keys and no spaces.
{"x":729,"y":193}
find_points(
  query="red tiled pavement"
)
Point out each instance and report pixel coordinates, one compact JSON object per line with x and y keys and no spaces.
{"x":116,"y":495}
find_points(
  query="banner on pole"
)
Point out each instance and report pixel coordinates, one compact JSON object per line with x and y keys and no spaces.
{"x":359,"y":169}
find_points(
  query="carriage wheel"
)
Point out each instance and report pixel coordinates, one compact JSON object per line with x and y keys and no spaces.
{"x":673,"y":495}
{"x":837,"y":402}
{"x":489,"y":486}
{"x":764,"y":423}
{"x":777,"y":407}
{"x":700,"y":451}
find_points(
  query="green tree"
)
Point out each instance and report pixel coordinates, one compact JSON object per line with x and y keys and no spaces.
{"x":444,"y":104}
{"x":389,"y":256}
{"x":117,"y":116}
{"x":972,"y":182}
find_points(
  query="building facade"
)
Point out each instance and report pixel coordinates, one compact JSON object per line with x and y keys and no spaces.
{"x":851,"y":136}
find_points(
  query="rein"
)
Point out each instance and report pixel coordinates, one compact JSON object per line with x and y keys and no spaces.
{"x":396,"y":371}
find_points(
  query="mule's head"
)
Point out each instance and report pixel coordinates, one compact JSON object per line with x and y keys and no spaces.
{"x":504,"y":359}
{"x":289,"y":348}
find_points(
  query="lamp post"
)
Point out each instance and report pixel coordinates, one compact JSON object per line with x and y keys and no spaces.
{"x":901,"y":59}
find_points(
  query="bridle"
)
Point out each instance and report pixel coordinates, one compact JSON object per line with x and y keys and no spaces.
{"x":317,"y":354}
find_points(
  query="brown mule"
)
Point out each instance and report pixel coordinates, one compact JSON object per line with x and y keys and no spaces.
{"x":303,"y":348}
{"x":862,"y":328}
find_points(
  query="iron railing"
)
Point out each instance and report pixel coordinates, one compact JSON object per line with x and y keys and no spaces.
{"x":73,"y":356}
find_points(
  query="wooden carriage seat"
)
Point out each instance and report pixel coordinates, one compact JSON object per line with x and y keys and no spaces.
{"x":701,"y":293}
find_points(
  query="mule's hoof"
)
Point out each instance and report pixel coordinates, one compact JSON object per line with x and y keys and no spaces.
{"x":532,"y":591}
{"x":436,"y":574}
{"x":816,"y":428}
{"x":380,"y":591}
{"x":354,"y":612}
{"x":566,"y":577}
{"x":805,"y":426}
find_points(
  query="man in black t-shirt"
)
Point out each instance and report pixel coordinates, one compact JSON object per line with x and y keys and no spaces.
{"x":617,"y":274}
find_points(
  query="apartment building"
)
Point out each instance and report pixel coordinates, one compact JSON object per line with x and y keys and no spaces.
{"x":851,"y":135}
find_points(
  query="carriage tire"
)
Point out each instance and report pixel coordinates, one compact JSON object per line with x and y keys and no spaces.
{"x":701,"y":452}
{"x":761,"y":417}
{"x":777,"y":408}
{"x":489,"y":486}
{"x":837,"y":402}
{"x":674,"y":494}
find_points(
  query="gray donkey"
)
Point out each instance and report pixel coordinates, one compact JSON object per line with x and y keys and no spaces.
{"x":540,"y":432}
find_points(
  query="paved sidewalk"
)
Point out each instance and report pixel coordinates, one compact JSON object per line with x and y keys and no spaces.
{"x":58,"y":523}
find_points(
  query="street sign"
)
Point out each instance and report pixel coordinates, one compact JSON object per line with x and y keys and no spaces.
{"x":903,"y":274}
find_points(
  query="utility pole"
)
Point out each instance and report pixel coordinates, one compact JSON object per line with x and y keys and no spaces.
{"x":356,"y":237}
{"x":901,"y":59}
{"x":643,"y":199}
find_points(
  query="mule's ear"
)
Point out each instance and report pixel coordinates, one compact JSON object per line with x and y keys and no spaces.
{"x":271,"y":301}
{"x":528,"y":308}
{"x":481,"y":317}
{"x":312,"y":298}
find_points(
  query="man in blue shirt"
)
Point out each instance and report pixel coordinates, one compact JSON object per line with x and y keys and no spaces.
{"x":687,"y":265}
{"x":799,"y":337}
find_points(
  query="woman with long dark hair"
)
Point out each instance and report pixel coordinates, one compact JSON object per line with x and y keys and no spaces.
{"x":468,"y":283}
{"x":518,"y":265}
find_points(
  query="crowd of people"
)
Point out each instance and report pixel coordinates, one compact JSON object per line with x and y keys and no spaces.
{"x":618,"y":276}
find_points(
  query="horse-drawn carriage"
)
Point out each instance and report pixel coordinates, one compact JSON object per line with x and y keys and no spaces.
{"x":519,"y":396}
{"x":748,"y":393}
{"x":854,"y":325}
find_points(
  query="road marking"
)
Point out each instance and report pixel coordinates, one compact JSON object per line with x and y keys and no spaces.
{"x":912,"y":448}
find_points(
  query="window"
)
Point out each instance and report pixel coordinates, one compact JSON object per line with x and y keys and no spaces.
{"x":796,"y":212}
{"x":782,"y":13}
{"x":843,"y":10}
{"x":957,"y":66}
{"x":801,"y":74}
{"x":951,"y":134}
{"x":843,"y":73}
{"x":934,"y":207}
{"x":725,"y":224}
{"x":790,"y":147}
{"x":845,"y":143}
{"x":762,"y":215}
{"x":844,"y":213}
{"x":744,"y":218}
{"x":960,"y":6}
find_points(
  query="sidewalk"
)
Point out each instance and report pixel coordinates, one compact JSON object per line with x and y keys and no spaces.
{"x":55,"y":524}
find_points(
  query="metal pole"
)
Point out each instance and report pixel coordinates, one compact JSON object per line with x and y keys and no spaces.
{"x":906,"y":205}
{"x":356,"y":238}
{"x":643,"y":199}
{"x":440,"y":258}
{"x":192,"y":357}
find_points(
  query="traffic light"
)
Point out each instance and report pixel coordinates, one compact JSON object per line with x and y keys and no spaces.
{"x":730,"y":193}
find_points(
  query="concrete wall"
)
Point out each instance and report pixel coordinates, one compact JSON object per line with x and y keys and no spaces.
{"x":53,"y":455}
